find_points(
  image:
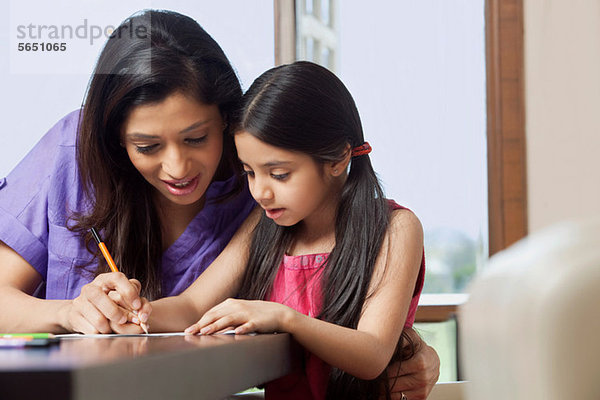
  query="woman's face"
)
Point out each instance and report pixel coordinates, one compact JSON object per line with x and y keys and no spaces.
{"x":176,"y":145}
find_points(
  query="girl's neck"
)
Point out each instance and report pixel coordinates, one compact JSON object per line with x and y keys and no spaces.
{"x":316,"y":233}
{"x":317,"y":245}
{"x":175,"y":218}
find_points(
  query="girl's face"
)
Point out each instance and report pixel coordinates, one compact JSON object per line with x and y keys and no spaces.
{"x":176,"y":145}
{"x":290,"y":186}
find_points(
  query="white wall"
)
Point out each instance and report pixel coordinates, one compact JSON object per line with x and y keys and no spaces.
{"x":562,"y":96}
{"x":30,"y":103}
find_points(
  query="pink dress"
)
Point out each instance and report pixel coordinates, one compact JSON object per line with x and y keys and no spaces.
{"x":298,"y":285}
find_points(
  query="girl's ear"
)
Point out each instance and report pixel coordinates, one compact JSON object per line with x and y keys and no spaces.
{"x":337,"y":168}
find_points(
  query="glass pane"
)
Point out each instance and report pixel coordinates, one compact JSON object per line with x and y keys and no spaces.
{"x":442,"y":337}
{"x":326,"y":57}
{"x":310,"y":49}
{"x":308,"y":6}
{"x":417,"y":73}
{"x":325,"y":17}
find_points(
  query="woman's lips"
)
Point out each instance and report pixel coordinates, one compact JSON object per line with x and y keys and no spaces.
{"x":182,"y":187}
{"x":274,"y":213}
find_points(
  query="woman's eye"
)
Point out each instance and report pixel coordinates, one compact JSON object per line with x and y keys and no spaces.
{"x":197,"y":140}
{"x":146,"y":149}
{"x":248,"y":173}
{"x":280,"y":177}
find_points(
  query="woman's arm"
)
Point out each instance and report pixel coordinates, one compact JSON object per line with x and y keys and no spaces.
{"x":35,"y":189}
{"x":103,"y":305}
{"x":91,"y":312}
{"x":415,"y":377}
{"x":20,"y":311}
{"x":219,"y":281}
{"x":363,"y":352}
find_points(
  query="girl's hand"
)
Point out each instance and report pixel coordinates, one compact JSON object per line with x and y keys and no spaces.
{"x":94,"y":310}
{"x":244,"y":315}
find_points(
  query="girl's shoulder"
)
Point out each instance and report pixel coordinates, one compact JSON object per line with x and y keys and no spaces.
{"x":404,"y":219}
{"x":395,"y":206}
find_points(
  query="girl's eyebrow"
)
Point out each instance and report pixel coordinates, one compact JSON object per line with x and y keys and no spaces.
{"x":270,"y":164}
{"x":276,"y":163}
{"x":194,"y":126}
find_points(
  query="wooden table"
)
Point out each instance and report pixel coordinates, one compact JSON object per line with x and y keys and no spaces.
{"x":175,"y":367}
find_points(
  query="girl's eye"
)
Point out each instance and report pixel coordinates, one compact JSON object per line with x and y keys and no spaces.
{"x":248,"y":173}
{"x":146,"y":149}
{"x":196,"y":140}
{"x":280,"y":177}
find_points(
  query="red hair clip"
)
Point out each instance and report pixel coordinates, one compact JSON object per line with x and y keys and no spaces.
{"x":364,"y":148}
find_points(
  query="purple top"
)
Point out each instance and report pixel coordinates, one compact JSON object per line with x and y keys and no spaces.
{"x":37,"y":196}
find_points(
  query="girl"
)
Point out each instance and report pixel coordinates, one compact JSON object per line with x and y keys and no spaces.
{"x":330,"y":260}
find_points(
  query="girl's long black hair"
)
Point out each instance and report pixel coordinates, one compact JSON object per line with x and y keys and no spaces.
{"x":150,"y":56}
{"x":304,"y":107}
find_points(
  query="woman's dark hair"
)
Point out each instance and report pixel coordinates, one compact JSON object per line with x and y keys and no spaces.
{"x":304,"y":107}
{"x":150,"y":56}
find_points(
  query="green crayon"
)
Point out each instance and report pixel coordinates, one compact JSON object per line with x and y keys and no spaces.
{"x":27,"y":335}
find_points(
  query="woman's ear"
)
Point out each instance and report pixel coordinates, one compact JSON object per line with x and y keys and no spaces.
{"x":337,"y":168}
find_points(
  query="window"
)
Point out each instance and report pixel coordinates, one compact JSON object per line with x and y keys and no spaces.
{"x":417,"y":74}
{"x":484,"y":198}
{"x":317,"y":32}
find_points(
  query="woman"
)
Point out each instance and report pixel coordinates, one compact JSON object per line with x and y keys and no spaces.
{"x":149,"y":162}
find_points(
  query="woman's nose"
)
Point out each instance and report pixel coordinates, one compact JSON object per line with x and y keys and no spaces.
{"x":175,"y":163}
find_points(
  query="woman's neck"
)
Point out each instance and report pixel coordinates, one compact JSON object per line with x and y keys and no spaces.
{"x":175,"y":218}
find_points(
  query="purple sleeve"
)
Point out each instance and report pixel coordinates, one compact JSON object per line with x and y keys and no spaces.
{"x":24,"y":193}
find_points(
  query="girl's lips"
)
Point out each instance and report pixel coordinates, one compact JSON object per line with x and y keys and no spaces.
{"x":189,"y":186}
{"x":274,"y":213}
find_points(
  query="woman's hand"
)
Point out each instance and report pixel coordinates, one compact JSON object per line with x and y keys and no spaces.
{"x":97,"y":310}
{"x":137,"y":320}
{"x":244,"y":316}
{"x":416,"y":376}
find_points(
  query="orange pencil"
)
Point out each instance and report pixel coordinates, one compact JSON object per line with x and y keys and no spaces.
{"x":111,"y":262}
{"x":104,"y":250}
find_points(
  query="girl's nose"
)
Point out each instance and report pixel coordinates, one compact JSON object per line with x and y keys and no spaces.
{"x":261,"y":191}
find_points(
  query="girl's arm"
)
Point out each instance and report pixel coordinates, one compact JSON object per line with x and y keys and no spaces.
{"x":219,"y":281}
{"x":363,"y":352}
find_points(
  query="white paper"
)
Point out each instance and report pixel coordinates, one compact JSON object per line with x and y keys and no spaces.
{"x":112,"y":335}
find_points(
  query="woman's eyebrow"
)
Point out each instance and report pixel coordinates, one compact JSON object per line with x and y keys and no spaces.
{"x":139,"y":135}
{"x":195,"y":126}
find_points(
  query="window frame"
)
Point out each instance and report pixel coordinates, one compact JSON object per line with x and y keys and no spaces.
{"x":507,"y":178}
